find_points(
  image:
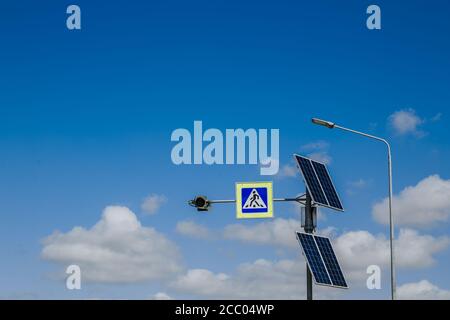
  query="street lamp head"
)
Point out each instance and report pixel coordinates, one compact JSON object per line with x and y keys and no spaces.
{"x":324,"y":123}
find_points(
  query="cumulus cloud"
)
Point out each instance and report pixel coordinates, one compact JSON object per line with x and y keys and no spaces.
{"x":117,"y":249}
{"x":316,"y":145}
{"x":283,"y":279}
{"x":288,"y":170}
{"x":437,"y":117}
{"x":318,"y":151}
{"x":422,"y":205}
{"x":152,"y":203}
{"x":192,"y":229}
{"x":359,"y":249}
{"x":354,"y":186}
{"x":204,"y":282}
{"x":416,"y":250}
{"x":321,"y":156}
{"x":356,"y":249}
{"x":279,"y":232}
{"x":261,"y":279}
{"x":406,"y":122}
{"x":161,"y":296}
{"x":422,"y":290}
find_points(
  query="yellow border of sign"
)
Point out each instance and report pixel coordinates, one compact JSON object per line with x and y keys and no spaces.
{"x":240,"y":214}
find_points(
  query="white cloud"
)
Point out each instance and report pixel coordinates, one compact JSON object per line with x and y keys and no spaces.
{"x":161,"y":296}
{"x":359,"y":249}
{"x":361,"y":183}
{"x":422,"y":205}
{"x":356,"y":249}
{"x":287,"y":170}
{"x":416,"y":251}
{"x":279,"y":232}
{"x":118,"y":249}
{"x":357,"y":185}
{"x":437,"y":117}
{"x":318,"y":150}
{"x":152,"y":203}
{"x":406,"y":122}
{"x":262,"y":279}
{"x":285,"y":279}
{"x":422,"y":290}
{"x":316,"y":145}
{"x":329,"y":232}
{"x":203,"y":282}
{"x":192,"y":229}
{"x":321,"y":156}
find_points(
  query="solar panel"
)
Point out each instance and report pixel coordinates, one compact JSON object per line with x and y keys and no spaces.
{"x":327,"y":185}
{"x":312,"y":183}
{"x":322,"y":260}
{"x":315,"y":262}
{"x":331,"y":262}
{"x":319,"y":183}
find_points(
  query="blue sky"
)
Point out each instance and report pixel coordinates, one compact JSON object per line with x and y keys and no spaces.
{"x":86,"y":118}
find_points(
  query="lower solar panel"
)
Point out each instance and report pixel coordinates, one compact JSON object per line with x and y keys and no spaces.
{"x":322,"y":261}
{"x":315,"y":262}
{"x":331,"y":262}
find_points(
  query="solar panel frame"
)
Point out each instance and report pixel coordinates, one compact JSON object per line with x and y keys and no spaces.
{"x":321,"y":203}
{"x":307,"y":243}
{"x":329,"y":189}
{"x":333,"y":267}
{"x":298,"y":234}
{"x":309,"y":184}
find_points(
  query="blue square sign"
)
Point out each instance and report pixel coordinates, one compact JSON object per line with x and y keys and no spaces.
{"x":254,"y":200}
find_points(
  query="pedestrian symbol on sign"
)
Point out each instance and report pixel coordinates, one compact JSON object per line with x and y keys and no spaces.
{"x":254,"y":200}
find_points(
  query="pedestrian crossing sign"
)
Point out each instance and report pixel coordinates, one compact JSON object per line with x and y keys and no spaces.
{"x":254,"y":200}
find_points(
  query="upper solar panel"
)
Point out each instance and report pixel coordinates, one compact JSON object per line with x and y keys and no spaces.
{"x":327,"y":185}
{"x":319,"y":183}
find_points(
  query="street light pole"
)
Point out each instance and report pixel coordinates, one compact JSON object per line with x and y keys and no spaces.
{"x":309,"y":228}
{"x":332,"y":125}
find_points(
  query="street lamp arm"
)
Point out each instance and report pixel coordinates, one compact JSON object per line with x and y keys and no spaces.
{"x":365,"y":135}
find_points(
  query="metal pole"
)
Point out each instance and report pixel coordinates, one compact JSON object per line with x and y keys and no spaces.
{"x":391,"y":218}
{"x":309,"y":228}
{"x":298,"y":199}
{"x":391,"y":227}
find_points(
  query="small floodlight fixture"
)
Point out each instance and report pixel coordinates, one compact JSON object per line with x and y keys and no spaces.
{"x":200,"y":202}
